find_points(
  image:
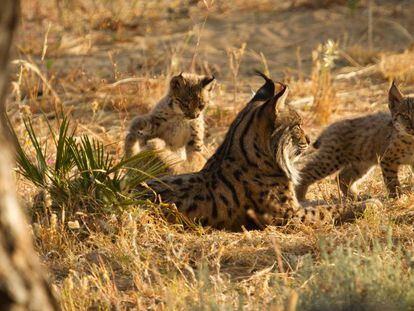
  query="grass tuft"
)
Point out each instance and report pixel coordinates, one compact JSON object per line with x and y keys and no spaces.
{"x":81,"y":175}
{"x":323,"y":93}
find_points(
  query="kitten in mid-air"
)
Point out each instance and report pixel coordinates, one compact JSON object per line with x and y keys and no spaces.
{"x":177,"y":120}
{"x":355,"y":145}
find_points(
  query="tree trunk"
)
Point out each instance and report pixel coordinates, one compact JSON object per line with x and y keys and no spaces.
{"x":23,"y":284}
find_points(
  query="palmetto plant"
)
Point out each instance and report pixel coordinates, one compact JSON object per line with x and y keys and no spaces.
{"x":80,"y":174}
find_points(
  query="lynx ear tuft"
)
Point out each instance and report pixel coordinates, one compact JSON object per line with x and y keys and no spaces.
{"x":281,"y":96}
{"x":177,"y":81}
{"x":207,"y":80}
{"x":277,"y":104}
{"x":395,"y":96}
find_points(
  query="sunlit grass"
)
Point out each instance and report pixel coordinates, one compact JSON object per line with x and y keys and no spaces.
{"x":107,"y":61}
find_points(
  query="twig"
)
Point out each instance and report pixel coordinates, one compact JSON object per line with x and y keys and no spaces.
{"x":301,"y":102}
{"x":36,"y":70}
{"x":399,"y":27}
{"x":348,"y":57}
{"x":299,"y":63}
{"x":370,"y":25}
{"x":129,"y":80}
{"x":45,"y":46}
{"x":364,"y":71}
{"x":193,"y":61}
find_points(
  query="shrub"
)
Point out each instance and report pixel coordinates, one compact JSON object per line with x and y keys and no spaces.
{"x":81,"y":174}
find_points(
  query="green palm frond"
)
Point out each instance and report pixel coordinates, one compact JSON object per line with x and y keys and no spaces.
{"x":64,"y":162}
{"x":82,"y":173}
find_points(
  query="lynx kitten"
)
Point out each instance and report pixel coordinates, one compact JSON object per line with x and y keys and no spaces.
{"x":177,"y":119}
{"x":353,"y":146}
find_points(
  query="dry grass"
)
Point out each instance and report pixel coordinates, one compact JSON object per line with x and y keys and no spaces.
{"x":105,"y":61}
{"x":398,"y":66}
{"x":323,"y":93}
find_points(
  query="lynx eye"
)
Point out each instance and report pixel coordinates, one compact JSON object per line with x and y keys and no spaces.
{"x":405,"y":117}
{"x":177,"y":99}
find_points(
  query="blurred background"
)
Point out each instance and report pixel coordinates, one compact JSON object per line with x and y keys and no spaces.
{"x":81,"y":46}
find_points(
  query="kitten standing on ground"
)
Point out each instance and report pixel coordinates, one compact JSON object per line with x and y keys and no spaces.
{"x":176,"y":121}
{"x":355,"y":145}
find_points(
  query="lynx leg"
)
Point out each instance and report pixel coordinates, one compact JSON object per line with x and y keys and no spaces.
{"x":301,"y":190}
{"x":389,"y":169}
{"x":195,"y":158}
{"x":134,"y":143}
{"x":139,"y":133}
{"x":349,"y":175}
{"x":390,"y":163}
{"x":196,"y":161}
{"x":313,"y":171}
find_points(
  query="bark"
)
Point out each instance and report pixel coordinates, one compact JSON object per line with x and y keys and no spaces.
{"x":23,"y":284}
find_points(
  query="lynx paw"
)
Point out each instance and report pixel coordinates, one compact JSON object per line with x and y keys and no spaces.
{"x":155,"y":144}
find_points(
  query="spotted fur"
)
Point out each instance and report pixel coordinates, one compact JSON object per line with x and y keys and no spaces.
{"x":353,"y":146}
{"x":178,"y":119}
{"x":249,"y":180}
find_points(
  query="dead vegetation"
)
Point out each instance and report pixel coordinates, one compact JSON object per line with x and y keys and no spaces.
{"x":323,"y":93}
{"x":102,"y":62}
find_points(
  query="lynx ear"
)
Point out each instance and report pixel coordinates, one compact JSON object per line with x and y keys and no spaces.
{"x":177,"y":81}
{"x":395,"y":96}
{"x":280,"y":97}
{"x":276,"y":104}
{"x":267,"y":90}
{"x":207,"y":80}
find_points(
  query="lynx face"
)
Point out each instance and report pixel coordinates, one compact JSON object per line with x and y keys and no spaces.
{"x":190,"y":93}
{"x":402,"y":110}
{"x":291,"y":138}
{"x":300,"y":140}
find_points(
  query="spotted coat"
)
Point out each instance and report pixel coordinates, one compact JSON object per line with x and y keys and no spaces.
{"x":249,"y":181}
{"x":178,"y":119}
{"x":355,"y":145}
